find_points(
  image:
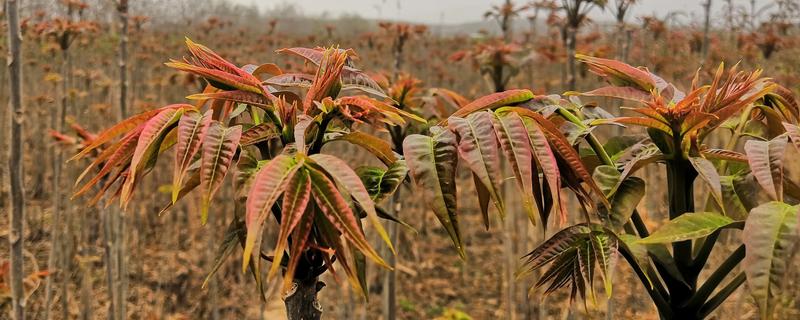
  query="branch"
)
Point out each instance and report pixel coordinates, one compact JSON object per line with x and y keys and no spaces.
{"x":723,"y":295}
{"x":716,"y":278}
{"x":658,"y":299}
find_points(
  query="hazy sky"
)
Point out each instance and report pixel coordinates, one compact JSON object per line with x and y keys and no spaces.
{"x":456,"y":11}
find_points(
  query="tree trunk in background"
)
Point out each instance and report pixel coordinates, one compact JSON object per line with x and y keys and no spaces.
{"x":122,"y":10}
{"x":54,"y":258}
{"x":706,"y":28}
{"x":117,"y":215}
{"x":572,"y":72}
{"x":15,"y":163}
{"x":509,"y":290}
{"x":390,"y":276}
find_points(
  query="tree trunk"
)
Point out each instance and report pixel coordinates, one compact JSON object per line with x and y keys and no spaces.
{"x":390,"y":276}
{"x":15,"y":163}
{"x":301,"y":301}
{"x":120,"y":240}
{"x":572,"y":72}
{"x":57,"y":122}
{"x":706,"y":28}
{"x":122,"y":9}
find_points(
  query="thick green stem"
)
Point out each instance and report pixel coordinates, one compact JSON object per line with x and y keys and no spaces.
{"x":316,"y":147}
{"x":680,"y":180}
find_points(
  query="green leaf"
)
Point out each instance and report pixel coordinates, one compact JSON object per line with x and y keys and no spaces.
{"x":230,"y":241}
{"x":478,"y":147}
{"x":630,"y":192}
{"x":383,"y":182}
{"x":690,"y":225}
{"x":377,"y":146}
{"x":734,"y":207}
{"x":219,"y":148}
{"x":770,"y":234}
{"x":638,"y":251}
{"x":432,"y":165}
{"x":607,"y":178}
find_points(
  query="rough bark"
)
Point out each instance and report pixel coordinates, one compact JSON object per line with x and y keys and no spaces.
{"x":15,"y":163}
{"x":301,"y":301}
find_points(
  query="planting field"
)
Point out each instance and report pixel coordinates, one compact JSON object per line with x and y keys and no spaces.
{"x":550,"y":159}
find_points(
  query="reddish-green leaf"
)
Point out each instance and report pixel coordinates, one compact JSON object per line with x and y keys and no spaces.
{"x":147,"y":147}
{"x":432,"y":165}
{"x":125,"y":126}
{"x":362,"y":82}
{"x":301,"y":80}
{"x":191,"y":129}
{"x":770,"y":235}
{"x":516,"y":145}
{"x":766,"y":163}
{"x":723,"y":154}
{"x":240,"y":96}
{"x":478,"y":147}
{"x":188,"y":185}
{"x":117,"y":156}
{"x":619,"y":73}
{"x":219,"y":147}
{"x":706,"y":170}
{"x":268,"y":184}
{"x":546,"y":160}
{"x":295,"y":201}
{"x":341,"y":172}
{"x":494,"y":100}
{"x":636,"y":121}
{"x":338,"y":212}
{"x":625,"y":93}
{"x":261,"y":132}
